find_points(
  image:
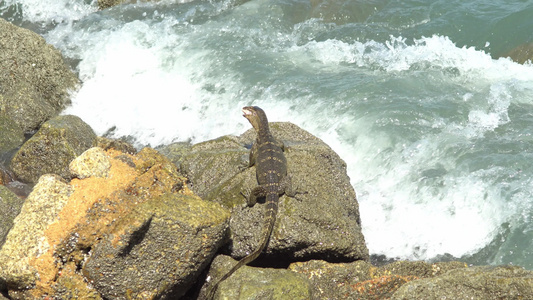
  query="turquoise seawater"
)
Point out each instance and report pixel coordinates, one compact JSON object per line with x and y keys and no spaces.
{"x":434,"y":126}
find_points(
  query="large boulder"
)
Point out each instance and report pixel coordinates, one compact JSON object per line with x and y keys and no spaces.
{"x":320,"y":222}
{"x":52,"y":148}
{"x":483,"y":282}
{"x":166,"y":234}
{"x":126,"y":227}
{"x":10,"y":206}
{"x":34,"y":80}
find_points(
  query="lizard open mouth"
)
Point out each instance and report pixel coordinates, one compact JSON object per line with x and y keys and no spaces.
{"x":246,"y":112}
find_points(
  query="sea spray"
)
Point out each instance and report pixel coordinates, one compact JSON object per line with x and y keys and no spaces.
{"x":435,"y":130}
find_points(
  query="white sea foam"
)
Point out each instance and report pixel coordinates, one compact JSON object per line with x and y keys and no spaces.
{"x":37,"y":11}
{"x":417,"y":200}
{"x":405,"y":213}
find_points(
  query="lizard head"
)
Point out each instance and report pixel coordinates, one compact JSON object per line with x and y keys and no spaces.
{"x":255,"y":115}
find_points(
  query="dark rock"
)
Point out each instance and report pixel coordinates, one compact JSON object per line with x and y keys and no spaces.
{"x":103,"y":4}
{"x":322,"y":221}
{"x":521,"y":54}
{"x":52,"y":148}
{"x":502,"y":282}
{"x":107,"y":143}
{"x":11,"y":135}
{"x":10,"y":206}
{"x":34,"y":80}
{"x":166,"y":235}
{"x":255,"y":283}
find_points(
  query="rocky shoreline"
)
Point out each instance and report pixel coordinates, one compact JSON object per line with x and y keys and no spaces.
{"x":87,"y":217}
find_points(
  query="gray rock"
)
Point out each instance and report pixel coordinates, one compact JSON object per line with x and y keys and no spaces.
{"x":34,"y":80}
{"x":52,"y":148}
{"x":322,"y":221}
{"x":27,"y":239}
{"x":158,"y":250}
{"x":175,"y":151}
{"x":502,"y":282}
{"x":258,"y":283}
{"x":10,"y":206}
{"x":11,"y":135}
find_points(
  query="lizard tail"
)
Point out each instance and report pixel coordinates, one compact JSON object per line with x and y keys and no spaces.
{"x":270,"y":218}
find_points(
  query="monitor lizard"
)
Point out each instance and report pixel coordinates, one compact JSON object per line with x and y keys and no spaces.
{"x":271,"y":172}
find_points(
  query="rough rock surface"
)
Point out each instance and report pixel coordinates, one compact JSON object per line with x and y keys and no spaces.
{"x":167,"y":235}
{"x":27,"y":241}
{"x":484,"y":282}
{"x":11,"y":135}
{"x":34,"y":80}
{"x":91,"y":163}
{"x":362,"y":280}
{"x":107,"y":143}
{"x":322,"y":221}
{"x":103,"y":4}
{"x":254,"y":283}
{"x":10,"y":206}
{"x":52,"y":148}
{"x":140,"y":224}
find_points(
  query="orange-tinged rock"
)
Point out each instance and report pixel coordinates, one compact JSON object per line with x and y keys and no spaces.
{"x":85,"y":194}
{"x":52,"y":251}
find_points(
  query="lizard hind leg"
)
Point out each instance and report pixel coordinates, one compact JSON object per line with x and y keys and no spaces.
{"x":257,"y":192}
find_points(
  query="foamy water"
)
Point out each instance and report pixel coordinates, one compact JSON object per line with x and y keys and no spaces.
{"x":434,"y":134}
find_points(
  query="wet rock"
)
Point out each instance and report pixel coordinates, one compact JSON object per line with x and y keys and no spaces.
{"x":52,"y":148}
{"x":361,"y":280}
{"x":484,"y":282}
{"x":10,"y":206}
{"x":521,"y":54}
{"x":93,"y":162}
{"x":11,"y":135}
{"x":321,"y":221}
{"x":258,"y":283}
{"x":26,"y":241}
{"x":103,"y":4}
{"x":34,"y":80}
{"x":137,"y":233}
